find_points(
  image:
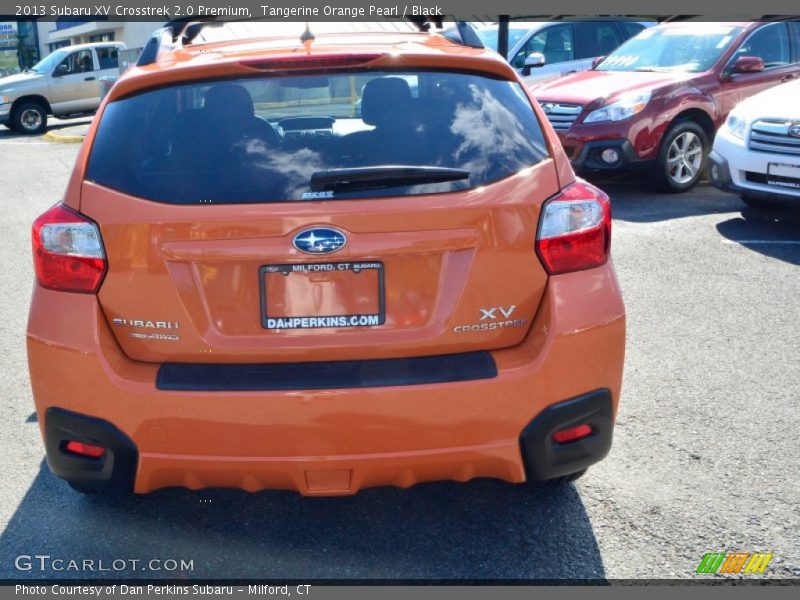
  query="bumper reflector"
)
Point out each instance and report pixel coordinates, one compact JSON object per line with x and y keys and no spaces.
{"x":82,"y":449}
{"x":572,"y":434}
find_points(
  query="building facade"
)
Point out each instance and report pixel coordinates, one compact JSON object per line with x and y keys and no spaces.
{"x":65,"y":32}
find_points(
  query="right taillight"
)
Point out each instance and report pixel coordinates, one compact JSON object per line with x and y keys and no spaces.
{"x":575,"y":229}
{"x":68,"y":251}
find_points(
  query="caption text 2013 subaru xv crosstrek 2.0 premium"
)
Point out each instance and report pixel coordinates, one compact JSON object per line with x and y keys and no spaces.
{"x":360,"y":262}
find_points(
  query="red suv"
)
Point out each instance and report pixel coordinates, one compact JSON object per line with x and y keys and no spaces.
{"x":657,"y":101}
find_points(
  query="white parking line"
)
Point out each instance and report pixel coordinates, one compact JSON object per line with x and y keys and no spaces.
{"x":791,"y":242}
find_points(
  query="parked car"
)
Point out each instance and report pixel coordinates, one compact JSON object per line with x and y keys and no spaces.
{"x":66,"y":83}
{"x":249,"y":292}
{"x":543,"y":50}
{"x":656,"y":102}
{"x":757,"y":151}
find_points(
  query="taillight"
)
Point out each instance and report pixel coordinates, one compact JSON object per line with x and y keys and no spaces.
{"x":575,"y":229}
{"x":68,"y":251}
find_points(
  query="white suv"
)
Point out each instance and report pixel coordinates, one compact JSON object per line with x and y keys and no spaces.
{"x":757,"y":152}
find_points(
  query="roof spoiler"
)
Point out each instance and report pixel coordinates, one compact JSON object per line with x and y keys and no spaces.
{"x":182,"y":32}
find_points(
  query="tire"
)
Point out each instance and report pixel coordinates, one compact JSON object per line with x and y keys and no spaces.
{"x":29,"y":118}
{"x":682,"y":157}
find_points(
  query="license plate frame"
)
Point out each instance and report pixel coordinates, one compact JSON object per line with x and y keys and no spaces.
{"x":348,"y":321}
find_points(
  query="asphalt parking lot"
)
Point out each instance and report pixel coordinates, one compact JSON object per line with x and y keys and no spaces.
{"x":705,"y":456}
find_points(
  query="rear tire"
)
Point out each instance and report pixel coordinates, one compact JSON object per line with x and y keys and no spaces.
{"x":29,"y":118}
{"x":682,"y":157}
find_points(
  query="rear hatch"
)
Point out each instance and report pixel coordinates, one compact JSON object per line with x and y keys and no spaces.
{"x":367,"y":214}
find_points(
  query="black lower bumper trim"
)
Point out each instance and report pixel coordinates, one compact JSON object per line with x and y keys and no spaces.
{"x":448,"y":368}
{"x":589,"y":159}
{"x":545,"y":459}
{"x":719,"y":173}
{"x":114,"y":471}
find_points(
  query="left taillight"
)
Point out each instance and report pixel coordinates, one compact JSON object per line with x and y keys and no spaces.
{"x":68,"y":252}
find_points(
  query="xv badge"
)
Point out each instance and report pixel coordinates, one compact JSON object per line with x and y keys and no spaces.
{"x":489,"y":313}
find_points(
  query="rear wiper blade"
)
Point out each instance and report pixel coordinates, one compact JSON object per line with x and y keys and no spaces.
{"x":385,"y":176}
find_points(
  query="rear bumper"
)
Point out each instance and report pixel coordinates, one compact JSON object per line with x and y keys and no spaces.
{"x":337,"y":441}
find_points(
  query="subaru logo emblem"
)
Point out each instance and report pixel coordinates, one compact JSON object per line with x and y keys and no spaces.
{"x":794,"y":130}
{"x":320,"y":240}
{"x":547,"y":107}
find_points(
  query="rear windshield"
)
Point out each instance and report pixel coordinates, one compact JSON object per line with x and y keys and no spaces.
{"x":275,"y":139}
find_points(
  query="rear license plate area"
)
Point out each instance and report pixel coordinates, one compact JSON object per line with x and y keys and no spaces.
{"x":322,"y":295}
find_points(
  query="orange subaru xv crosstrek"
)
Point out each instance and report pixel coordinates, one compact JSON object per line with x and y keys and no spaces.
{"x":323,"y":266}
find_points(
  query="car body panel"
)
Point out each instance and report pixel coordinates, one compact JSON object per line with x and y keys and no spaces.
{"x":379,"y":436}
{"x":734,"y":155}
{"x":711,"y":94}
{"x":188,"y":267}
{"x":326,"y":441}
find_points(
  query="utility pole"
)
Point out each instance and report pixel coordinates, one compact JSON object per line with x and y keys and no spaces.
{"x":502,"y":36}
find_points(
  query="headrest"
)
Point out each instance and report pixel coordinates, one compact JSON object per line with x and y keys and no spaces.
{"x":230,"y":98}
{"x":384,"y":99}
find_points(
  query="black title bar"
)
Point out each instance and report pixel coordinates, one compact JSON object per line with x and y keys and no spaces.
{"x":365,"y":10}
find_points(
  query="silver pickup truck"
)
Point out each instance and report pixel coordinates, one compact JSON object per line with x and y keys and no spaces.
{"x":66,"y":83}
